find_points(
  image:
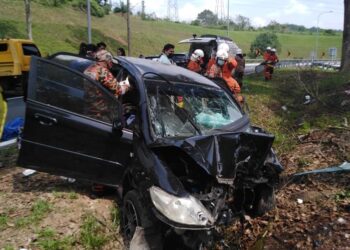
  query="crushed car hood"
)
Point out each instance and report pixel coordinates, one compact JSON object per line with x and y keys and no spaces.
{"x":220,"y":154}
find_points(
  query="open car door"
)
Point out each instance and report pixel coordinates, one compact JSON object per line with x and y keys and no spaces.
{"x":69,"y":125}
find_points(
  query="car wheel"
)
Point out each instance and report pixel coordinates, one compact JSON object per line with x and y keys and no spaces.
{"x":265,"y":200}
{"x":135,"y":214}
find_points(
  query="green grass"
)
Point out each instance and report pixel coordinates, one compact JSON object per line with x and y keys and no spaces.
{"x":288,"y":88}
{"x":38,"y":211}
{"x":49,"y":240}
{"x":54,"y":31}
{"x":9,"y":247}
{"x":3,"y":221}
{"x":92,"y":234}
{"x":115,"y":215}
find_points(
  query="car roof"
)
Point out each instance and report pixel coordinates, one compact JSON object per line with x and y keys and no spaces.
{"x":172,"y":73}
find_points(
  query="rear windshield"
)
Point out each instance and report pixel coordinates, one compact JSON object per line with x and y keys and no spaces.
{"x":3,"y":47}
{"x":30,"y":50}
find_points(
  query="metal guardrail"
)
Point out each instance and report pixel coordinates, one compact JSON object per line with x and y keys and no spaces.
{"x":326,"y":64}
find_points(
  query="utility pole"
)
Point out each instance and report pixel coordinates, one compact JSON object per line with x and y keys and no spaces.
{"x":228,"y":16}
{"x":128,"y":27}
{"x":143,"y":15}
{"x":88,"y":9}
{"x":28,"y":19}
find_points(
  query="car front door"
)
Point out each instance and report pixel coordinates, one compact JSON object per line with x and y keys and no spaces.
{"x":70,"y":126}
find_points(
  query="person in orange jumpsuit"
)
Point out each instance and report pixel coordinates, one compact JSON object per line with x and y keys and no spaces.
{"x":266,"y":57}
{"x":223,"y":69}
{"x":211,"y":62}
{"x":196,"y":61}
{"x":270,"y":62}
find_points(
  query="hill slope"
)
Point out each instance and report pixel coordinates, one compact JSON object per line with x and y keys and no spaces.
{"x":63,"y":28}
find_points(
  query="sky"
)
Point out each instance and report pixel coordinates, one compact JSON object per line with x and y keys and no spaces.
{"x":260,"y":12}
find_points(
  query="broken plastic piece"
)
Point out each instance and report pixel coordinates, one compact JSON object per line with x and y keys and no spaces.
{"x":28,"y":172}
{"x":300,"y":201}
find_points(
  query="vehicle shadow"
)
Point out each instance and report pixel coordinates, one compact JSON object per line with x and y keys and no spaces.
{"x":45,"y":183}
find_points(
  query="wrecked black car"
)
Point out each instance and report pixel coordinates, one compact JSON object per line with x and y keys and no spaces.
{"x":178,"y":146}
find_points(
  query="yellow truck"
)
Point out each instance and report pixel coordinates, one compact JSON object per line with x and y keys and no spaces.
{"x":15,"y":57}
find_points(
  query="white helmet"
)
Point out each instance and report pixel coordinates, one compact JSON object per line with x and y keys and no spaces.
{"x":238,"y":51}
{"x":197,"y":54}
{"x":223,"y":46}
{"x":222,"y":54}
{"x":273,"y":50}
{"x":268,"y":48}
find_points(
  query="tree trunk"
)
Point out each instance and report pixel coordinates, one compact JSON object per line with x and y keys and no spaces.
{"x":28,"y":19}
{"x":345,"y":59}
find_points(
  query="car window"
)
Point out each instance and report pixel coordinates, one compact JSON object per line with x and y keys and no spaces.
{"x":65,"y":89}
{"x":30,"y":50}
{"x":178,"y":109}
{"x":3,"y":47}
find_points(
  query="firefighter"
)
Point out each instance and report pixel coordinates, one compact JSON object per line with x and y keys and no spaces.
{"x":211,"y":61}
{"x":196,"y":61}
{"x":223,"y":69}
{"x":270,"y":62}
{"x":267,"y":66}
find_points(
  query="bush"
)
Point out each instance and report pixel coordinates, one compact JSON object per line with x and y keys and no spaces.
{"x":262,"y":41}
{"x":96,"y":9}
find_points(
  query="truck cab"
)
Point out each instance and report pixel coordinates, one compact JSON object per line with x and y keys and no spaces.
{"x":15,"y":56}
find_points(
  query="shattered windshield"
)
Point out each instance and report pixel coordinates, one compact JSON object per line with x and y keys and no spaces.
{"x":178,"y":109}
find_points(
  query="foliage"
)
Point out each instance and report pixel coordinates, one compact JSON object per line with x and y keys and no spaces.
{"x":54,"y":3}
{"x":96,"y":8}
{"x":121,"y":8}
{"x":207,"y":17}
{"x":242,"y":23}
{"x":264,"y":40}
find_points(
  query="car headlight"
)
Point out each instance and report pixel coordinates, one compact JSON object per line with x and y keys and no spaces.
{"x":184,"y":210}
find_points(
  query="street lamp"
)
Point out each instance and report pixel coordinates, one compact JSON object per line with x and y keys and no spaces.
{"x":317,"y":33}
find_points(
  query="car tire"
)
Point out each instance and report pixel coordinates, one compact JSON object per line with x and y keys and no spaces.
{"x":137,"y":214}
{"x":265,"y":200}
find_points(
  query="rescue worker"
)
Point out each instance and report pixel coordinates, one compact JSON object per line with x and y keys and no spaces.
{"x":239,"y":70}
{"x":270,"y":62}
{"x":99,"y":71}
{"x":196,"y":61}
{"x":223,"y":69}
{"x":167,"y":54}
{"x":266,"y":57}
{"x":211,"y":61}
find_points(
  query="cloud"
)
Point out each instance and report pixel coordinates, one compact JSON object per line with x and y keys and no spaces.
{"x":259,"y":21}
{"x":189,"y":11}
{"x":296,"y":7}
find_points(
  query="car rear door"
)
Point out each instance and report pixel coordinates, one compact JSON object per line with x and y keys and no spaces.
{"x":69,"y":126}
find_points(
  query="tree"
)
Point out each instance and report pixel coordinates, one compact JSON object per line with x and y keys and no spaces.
{"x":206,"y":17}
{"x":242,"y":23}
{"x":262,"y":41}
{"x":28,"y":19}
{"x":345,"y":59}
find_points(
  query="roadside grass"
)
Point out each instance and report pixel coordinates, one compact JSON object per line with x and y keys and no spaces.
{"x":92,"y":235}
{"x":72,"y":195}
{"x":54,"y":31}
{"x":3,"y":221}
{"x":9,"y":247}
{"x":115,"y":215}
{"x":48,"y":239}
{"x":277,"y":105}
{"x":38,"y":211}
